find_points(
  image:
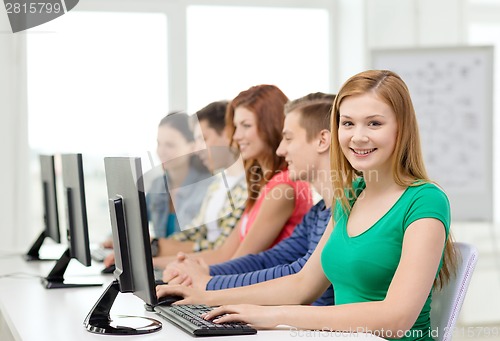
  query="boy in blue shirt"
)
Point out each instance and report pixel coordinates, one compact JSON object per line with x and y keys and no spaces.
{"x":306,"y":147}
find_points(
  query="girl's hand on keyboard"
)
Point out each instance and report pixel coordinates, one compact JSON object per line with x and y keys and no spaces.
{"x":259,"y":317}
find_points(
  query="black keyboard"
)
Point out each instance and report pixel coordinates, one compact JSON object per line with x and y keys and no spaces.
{"x":187,"y":317}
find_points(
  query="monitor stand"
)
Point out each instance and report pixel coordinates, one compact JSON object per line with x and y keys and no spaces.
{"x":55,"y":279}
{"x":99,"y":321}
{"x":34,"y":252}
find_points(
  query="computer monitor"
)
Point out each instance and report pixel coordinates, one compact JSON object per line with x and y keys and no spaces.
{"x":131,"y":241}
{"x":77,"y":227}
{"x":50,"y":210}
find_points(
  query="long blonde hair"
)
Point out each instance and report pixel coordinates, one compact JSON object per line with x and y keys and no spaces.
{"x":407,"y":160}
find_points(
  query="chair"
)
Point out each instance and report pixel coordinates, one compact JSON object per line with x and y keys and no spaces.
{"x":447,"y":302}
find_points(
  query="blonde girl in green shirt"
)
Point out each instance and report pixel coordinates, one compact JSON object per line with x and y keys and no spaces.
{"x":388,"y":243}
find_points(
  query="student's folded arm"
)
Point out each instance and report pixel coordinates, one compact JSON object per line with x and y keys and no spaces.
{"x":170,"y":246}
{"x":161,"y":262}
{"x":284,"y":290}
{"x":276,"y":209}
{"x":238,"y":265}
{"x":209,"y":256}
{"x":255,"y":276}
{"x":285,"y":252}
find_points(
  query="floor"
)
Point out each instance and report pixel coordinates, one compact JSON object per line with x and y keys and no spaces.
{"x":480,"y":315}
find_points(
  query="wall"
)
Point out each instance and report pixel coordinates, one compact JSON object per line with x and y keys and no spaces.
{"x":412,"y":23}
{"x":364,"y":24}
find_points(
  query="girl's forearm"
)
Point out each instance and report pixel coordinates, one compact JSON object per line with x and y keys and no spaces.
{"x":273,"y":292}
{"x":366,"y":317}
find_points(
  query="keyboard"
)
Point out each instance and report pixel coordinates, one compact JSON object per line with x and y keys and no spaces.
{"x":187,"y":317}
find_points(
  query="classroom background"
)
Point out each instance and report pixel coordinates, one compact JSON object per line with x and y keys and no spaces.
{"x":97,"y":80}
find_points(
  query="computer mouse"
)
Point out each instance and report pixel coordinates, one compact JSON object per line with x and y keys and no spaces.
{"x":109,"y":269}
{"x":168,"y":300}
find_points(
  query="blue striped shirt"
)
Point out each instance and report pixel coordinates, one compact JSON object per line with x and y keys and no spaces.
{"x":286,"y":258}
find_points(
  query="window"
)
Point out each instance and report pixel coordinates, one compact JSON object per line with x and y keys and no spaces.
{"x":231,"y":48}
{"x":97,"y":85}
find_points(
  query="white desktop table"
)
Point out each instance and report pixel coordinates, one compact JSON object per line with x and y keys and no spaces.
{"x":28,"y":311}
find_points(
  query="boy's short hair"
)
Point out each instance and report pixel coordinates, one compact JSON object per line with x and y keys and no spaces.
{"x":215,"y":115}
{"x":315,"y":112}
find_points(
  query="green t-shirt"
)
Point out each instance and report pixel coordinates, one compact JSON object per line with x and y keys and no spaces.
{"x":361,"y":268}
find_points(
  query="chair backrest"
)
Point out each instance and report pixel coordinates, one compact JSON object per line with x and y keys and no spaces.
{"x":447,"y":302}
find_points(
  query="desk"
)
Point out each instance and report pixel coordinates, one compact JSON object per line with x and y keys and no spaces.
{"x":30,"y":312}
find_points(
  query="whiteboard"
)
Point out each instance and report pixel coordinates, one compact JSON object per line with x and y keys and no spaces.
{"x":452,"y":91}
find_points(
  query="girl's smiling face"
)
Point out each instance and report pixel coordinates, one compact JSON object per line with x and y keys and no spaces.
{"x":367,"y":132}
{"x":246,"y":135}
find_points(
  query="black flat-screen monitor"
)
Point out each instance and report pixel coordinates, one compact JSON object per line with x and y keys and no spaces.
{"x":50,"y":210}
{"x":131,"y":241}
{"x":77,"y":227}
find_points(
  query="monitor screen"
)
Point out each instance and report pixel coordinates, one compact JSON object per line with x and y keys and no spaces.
{"x":76,"y":218}
{"x":50,"y":209}
{"x":131,"y":244}
{"x":76,"y":209}
{"x":129,"y":225}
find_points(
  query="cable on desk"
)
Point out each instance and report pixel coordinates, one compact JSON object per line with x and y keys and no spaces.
{"x":20,"y":275}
